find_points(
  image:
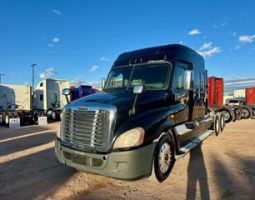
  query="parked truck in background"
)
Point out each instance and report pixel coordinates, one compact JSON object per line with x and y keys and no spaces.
{"x":215,"y":100}
{"x":48,"y":97}
{"x":75,"y":93}
{"x":16,"y":102}
{"x":245,"y":101}
{"x":250,"y":100}
{"x":81,"y":91}
{"x":153,"y":109}
{"x":19,"y":101}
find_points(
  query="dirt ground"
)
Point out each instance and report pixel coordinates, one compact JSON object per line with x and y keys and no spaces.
{"x":222,"y":167}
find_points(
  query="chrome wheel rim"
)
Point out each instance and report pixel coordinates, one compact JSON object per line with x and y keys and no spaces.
{"x":53,"y":114}
{"x":164,"y":157}
{"x":226,"y":115}
{"x":217,"y":126}
{"x":222,"y":122}
{"x":6,"y":119}
{"x":245,"y":113}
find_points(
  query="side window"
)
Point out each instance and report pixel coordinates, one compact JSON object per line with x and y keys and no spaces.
{"x":41,"y":97}
{"x":179,"y":78}
{"x":117,"y":81}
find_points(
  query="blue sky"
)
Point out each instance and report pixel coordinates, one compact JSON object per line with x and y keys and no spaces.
{"x":79,"y":40}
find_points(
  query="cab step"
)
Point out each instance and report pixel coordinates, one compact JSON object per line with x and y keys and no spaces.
{"x":193,"y":143}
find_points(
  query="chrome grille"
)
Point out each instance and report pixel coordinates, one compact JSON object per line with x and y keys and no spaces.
{"x":87,"y":129}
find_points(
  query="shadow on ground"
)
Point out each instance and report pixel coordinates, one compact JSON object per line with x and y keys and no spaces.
{"x":33,"y":176}
{"x":197,"y":175}
{"x":6,"y":133}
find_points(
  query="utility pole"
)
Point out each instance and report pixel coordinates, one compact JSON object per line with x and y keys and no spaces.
{"x":1,"y":77}
{"x":33,"y":76}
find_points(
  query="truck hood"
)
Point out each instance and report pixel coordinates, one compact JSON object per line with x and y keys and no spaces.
{"x":103,"y":98}
{"x":123,"y":101}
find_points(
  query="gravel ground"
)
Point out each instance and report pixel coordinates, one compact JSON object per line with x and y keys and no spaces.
{"x":222,"y":167}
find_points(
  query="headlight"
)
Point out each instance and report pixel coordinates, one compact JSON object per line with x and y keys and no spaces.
{"x":131,"y":138}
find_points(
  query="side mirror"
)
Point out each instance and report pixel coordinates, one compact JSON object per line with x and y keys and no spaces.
{"x":187,"y":79}
{"x":66,"y":91}
{"x":102,"y":83}
{"x":138,"y":89}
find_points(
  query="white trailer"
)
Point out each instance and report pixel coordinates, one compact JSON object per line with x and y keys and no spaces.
{"x":48,"y":97}
{"x":15,"y":97}
{"x":239,"y":93}
{"x":16,"y":102}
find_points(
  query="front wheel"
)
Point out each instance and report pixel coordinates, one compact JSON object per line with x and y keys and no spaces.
{"x":164,"y":158}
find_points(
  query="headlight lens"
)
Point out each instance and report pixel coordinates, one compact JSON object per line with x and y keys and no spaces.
{"x":131,"y":138}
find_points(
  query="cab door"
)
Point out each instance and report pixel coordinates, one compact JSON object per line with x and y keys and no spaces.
{"x":181,"y":96}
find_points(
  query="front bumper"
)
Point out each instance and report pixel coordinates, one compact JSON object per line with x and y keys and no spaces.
{"x":127,"y":165}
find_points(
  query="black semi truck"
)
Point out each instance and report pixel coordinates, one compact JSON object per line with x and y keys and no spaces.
{"x":152,"y":110}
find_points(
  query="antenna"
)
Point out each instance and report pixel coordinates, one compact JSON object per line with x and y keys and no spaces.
{"x":33,"y":76}
{"x":1,"y":77}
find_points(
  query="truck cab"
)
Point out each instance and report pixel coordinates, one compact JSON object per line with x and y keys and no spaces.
{"x":152,"y":110}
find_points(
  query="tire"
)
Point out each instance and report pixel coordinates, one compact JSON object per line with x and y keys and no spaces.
{"x":1,"y":118}
{"x":228,"y":116}
{"x":164,"y":158}
{"x":238,"y":113}
{"x":7,"y":119}
{"x":216,"y":125}
{"x":246,"y":112}
{"x":49,"y":114}
{"x":222,"y":122}
{"x":55,"y":115}
{"x":34,"y":119}
{"x":253,"y":112}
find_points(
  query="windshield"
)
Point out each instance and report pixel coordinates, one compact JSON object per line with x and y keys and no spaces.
{"x":151,"y":76}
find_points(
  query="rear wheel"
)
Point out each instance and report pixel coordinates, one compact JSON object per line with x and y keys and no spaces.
{"x":54,"y":115}
{"x":1,"y":118}
{"x":253,"y":112}
{"x":228,"y":116}
{"x":222,"y":122}
{"x":7,"y":119}
{"x":216,"y":125}
{"x":238,"y":113}
{"x":164,"y":158}
{"x":246,"y":112}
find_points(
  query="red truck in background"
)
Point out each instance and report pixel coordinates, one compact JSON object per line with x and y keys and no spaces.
{"x":215,"y":92}
{"x":250,"y":96}
{"x":215,"y":100}
{"x":250,"y":99}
